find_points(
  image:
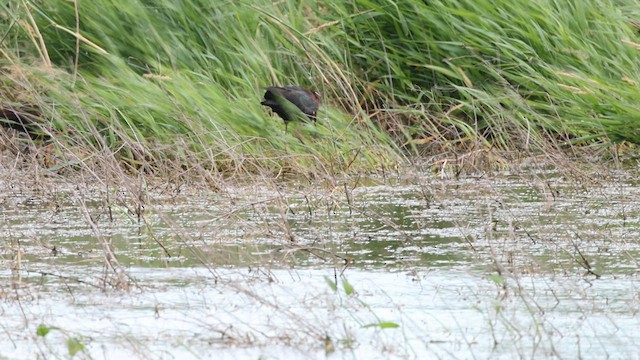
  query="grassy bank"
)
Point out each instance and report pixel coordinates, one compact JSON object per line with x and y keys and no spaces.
{"x":177,"y":85}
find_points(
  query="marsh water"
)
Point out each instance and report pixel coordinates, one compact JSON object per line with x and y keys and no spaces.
{"x":533,"y":265}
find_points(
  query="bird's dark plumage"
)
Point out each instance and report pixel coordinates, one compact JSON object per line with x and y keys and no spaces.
{"x":23,"y":118}
{"x":281,"y":98}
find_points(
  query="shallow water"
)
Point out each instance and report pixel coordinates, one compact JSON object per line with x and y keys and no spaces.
{"x":533,"y":266}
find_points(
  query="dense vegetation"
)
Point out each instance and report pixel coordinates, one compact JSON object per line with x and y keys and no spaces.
{"x":172,"y":84}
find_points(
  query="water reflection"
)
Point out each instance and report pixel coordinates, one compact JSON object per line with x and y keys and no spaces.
{"x":501,"y":267}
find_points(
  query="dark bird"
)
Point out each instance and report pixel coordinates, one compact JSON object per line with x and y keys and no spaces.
{"x":23,"y":118}
{"x":292,"y":102}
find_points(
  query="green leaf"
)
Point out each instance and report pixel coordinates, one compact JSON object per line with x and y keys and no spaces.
{"x":383,"y":325}
{"x":348,"y":288}
{"x":74,"y":346}
{"x":331,"y":283}
{"x":43,"y":330}
{"x":498,"y":279}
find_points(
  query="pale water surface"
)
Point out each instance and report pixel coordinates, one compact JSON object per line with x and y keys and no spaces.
{"x":504,"y":267}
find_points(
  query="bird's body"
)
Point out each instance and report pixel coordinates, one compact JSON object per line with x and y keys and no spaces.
{"x":292,"y":102}
{"x":23,"y":118}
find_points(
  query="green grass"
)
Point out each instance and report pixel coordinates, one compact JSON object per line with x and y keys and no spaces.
{"x":565,"y":68}
{"x":180,"y":82}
